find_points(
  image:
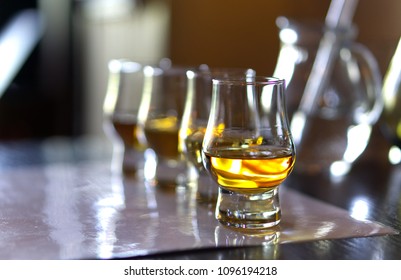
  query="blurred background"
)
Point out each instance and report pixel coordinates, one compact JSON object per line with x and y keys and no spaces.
{"x":57,"y":86}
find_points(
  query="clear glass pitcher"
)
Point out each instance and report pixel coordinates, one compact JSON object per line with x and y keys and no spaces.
{"x":339,"y":128}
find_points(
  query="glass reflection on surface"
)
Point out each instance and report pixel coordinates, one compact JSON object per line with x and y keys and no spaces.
{"x":108,"y":209}
{"x":139,"y":222}
{"x":186,"y":212}
{"x":228,"y":237}
{"x":268,"y":239}
{"x":61,"y":211}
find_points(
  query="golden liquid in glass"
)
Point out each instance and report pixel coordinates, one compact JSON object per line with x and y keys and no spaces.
{"x":249,"y":172}
{"x":128,"y":131}
{"x":162,"y":136}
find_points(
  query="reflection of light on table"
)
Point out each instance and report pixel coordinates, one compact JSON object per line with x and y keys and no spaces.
{"x":360,"y":209}
{"x":324,"y":229}
{"x":106,"y":236}
{"x":61,"y":210}
{"x":108,"y":208}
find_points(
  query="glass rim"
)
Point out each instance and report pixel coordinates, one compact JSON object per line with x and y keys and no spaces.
{"x":251,"y":80}
{"x":124,"y":65}
{"x":220,"y":72}
{"x":173,"y":70}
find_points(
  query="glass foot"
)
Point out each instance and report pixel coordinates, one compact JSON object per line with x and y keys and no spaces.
{"x":248,"y":211}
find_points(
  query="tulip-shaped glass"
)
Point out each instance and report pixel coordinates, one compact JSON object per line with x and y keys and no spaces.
{"x":248,"y":150}
{"x":160,"y":116}
{"x":194,"y":121}
{"x":120,"y":110}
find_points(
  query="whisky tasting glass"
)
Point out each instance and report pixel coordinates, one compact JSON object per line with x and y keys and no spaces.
{"x":120,"y":112}
{"x":248,"y":150}
{"x":194,"y":121}
{"x":160,"y":116}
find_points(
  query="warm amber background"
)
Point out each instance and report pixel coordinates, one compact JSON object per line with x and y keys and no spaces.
{"x":243,"y":33}
{"x":61,"y":87}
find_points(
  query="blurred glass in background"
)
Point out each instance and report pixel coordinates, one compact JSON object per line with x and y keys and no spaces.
{"x":60,"y":87}
{"x":120,"y":112}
